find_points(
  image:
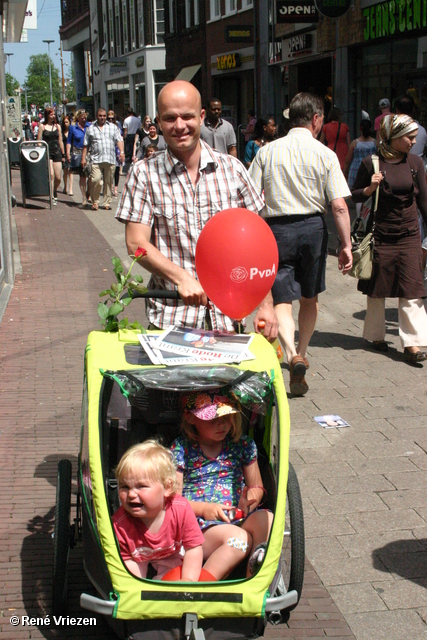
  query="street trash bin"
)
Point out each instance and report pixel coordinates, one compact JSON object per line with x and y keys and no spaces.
{"x":13,"y":150}
{"x":35,"y":170}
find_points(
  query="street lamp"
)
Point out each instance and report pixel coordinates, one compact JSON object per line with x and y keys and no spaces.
{"x":48,"y":42}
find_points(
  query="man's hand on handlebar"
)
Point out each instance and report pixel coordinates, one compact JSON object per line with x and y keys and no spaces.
{"x":191,"y":291}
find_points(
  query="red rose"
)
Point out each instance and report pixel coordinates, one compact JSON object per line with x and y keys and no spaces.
{"x":140,"y":252}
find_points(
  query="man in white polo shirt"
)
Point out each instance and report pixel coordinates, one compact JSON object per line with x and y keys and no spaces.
{"x":299,"y":175}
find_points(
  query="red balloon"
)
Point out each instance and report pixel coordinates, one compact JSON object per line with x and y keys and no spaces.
{"x":236,"y":261}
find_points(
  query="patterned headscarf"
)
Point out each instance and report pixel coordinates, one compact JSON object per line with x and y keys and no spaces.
{"x":393,"y":127}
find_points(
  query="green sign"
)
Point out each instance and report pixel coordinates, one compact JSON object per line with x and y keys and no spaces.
{"x":395,"y":16}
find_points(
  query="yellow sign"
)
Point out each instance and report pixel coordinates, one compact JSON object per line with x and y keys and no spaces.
{"x":228,"y":61}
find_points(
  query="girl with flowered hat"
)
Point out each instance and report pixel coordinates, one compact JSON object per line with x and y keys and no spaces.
{"x":218,"y":473}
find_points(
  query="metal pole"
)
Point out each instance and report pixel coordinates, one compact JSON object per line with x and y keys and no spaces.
{"x":62,"y":71}
{"x":48,"y":42}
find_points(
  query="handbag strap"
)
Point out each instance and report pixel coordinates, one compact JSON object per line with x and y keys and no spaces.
{"x":376,"y":167}
{"x":338,"y":135}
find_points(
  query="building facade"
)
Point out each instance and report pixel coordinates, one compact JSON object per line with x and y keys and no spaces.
{"x":75,"y":36}
{"x":376,"y":50}
{"x":260,"y":53}
{"x":12,"y":15}
{"x":128,"y":54}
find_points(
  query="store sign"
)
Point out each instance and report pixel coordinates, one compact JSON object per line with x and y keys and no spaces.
{"x":299,"y":45}
{"x":30,"y":21}
{"x":139,"y":62}
{"x":395,"y":16}
{"x":333,"y":8}
{"x":239,"y":33}
{"x":227,"y":62}
{"x":294,"y":11}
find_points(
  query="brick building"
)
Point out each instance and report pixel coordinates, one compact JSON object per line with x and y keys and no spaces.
{"x":241,"y":52}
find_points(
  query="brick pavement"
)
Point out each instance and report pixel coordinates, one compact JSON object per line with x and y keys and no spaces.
{"x":363,"y":487}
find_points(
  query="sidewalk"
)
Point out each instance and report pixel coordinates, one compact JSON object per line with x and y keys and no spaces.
{"x":363,"y":487}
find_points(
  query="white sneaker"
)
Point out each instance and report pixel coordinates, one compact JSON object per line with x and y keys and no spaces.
{"x":54,"y":201}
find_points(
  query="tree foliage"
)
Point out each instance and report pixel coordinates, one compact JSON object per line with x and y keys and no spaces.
{"x":11,"y":84}
{"x":37,"y":81}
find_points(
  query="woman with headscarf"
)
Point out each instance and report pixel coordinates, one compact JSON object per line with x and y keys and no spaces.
{"x":397,"y":266}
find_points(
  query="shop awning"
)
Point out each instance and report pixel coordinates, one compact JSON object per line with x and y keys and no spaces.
{"x":187,"y":73}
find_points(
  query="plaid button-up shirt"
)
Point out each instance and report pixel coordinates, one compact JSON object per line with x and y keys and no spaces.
{"x":101,"y":142}
{"x":159,"y":193}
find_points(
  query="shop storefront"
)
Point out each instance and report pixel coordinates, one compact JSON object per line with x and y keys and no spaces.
{"x":233,"y":83}
{"x":303,"y":68}
{"x":393,"y":57}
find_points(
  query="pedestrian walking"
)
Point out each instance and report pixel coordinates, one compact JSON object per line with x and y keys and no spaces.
{"x":336,"y":135}
{"x":265,"y":130}
{"x":131,"y":125}
{"x":100,"y":141}
{"x":111,"y":117}
{"x":360,"y":148}
{"x":26,"y":125}
{"x":66,"y":171}
{"x":397,"y":267}
{"x":74,"y":150}
{"x":167,"y":201}
{"x":299,"y":176}
{"x":217,"y":132}
{"x":153,"y":138}
{"x":384,"y":106}
{"x":51,"y":133}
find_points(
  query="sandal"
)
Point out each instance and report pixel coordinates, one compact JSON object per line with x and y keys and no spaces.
{"x":95,"y":207}
{"x":257,"y":558}
{"x":414,"y":357}
{"x":107,"y":207}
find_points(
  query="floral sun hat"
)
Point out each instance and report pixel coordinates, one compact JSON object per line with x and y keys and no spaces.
{"x":209,"y":405}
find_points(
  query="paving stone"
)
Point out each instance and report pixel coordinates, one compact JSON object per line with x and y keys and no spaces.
{"x":357,"y":597}
{"x":368,"y":544}
{"x":403,"y":520}
{"x":387,"y":625}
{"x":321,"y":470}
{"x":403,"y":594}
{"x":383,"y":465}
{"x":347,"y":503}
{"x":390,"y":449}
{"x":404,"y":499}
{"x":332,"y":454}
{"x":358,"y":484}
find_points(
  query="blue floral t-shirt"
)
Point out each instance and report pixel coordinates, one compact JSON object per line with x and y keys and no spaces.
{"x":218,"y":480}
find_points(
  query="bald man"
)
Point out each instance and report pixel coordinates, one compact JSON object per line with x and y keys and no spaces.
{"x":167,"y":200}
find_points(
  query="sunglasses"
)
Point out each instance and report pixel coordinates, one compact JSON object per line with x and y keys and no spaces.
{"x":112,"y":119}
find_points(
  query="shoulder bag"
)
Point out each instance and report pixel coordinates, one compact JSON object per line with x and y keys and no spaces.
{"x":338,"y":135}
{"x":363,"y":245}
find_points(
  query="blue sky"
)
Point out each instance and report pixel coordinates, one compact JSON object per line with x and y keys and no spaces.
{"x":48,"y":23}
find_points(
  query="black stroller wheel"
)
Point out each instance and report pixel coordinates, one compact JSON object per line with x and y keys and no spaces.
{"x":293,"y":550}
{"x":61,"y":538}
{"x":291,"y":565}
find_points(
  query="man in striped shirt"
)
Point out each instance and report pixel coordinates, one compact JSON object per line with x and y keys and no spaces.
{"x":299,"y":176}
{"x":167,"y":200}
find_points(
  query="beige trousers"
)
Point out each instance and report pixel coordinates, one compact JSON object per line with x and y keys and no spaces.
{"x":103,"y":172}
{"x":412,"y":319}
